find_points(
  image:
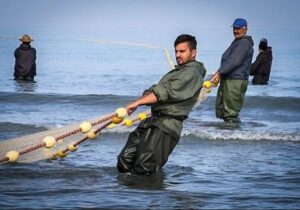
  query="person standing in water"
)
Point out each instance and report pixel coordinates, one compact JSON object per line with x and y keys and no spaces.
{"x":25,"y":57}
{"x":233,"y":74}
{"x":150,"y":144}
{"x":261,"y":68}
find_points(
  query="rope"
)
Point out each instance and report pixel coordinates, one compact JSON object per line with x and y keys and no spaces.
{"x":107,"y":120}
{"x":70,"y":133}
{"x":65,"y":151}
{"x":5,"y":159}
{"x":166,"y":51}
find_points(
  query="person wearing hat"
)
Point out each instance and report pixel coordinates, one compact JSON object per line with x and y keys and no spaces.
{"x":25,"y":56}
{"x":233,"y":74}
{"x":261,"y":67}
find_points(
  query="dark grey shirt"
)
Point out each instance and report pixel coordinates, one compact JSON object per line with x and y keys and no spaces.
{"x":236,"y":60}
{"x":25,"y":65}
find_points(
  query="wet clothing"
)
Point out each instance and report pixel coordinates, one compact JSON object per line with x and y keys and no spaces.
{"x":25,"y":66}
{"x":261,"y":68}
{"x":149,"y":146}
{"x":147,"y":149}
{"x":234,"y":69}
{"x":230,"y":99}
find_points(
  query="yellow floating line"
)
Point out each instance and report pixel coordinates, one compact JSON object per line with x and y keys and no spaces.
{"x":170,"y":62}
{"x":169,"y":59}
{"x":204,"y":91}
{"x":107,"y":120}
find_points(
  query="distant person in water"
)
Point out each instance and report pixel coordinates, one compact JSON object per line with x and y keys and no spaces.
{"x":261,"y":68}
{"x":25,"y":56}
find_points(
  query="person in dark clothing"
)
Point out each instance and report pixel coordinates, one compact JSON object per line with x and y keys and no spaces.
{"x":150,"y":144}
{"x":261,"y":68}
{"x":233,"y":74}
{"x":25,"y":56}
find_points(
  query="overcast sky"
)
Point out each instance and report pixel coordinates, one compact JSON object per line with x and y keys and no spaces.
{"x":150,"y":14}
{"x":155,"y":22}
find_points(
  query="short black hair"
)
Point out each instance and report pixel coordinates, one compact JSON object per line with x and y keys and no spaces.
{"x":191,"y":40}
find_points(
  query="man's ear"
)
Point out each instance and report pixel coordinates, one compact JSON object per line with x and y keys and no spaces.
{"x":194,"y":53}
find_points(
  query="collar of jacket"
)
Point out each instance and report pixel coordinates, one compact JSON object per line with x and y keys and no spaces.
{"x":249,"y":38}
{"x":191,"y":63}
{"x":25,"y":46}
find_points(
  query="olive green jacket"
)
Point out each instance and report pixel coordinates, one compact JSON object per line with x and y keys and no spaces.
{"x":177,"y":93}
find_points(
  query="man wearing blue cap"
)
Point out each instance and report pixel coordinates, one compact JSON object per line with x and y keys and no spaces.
{"x":233,"y":74}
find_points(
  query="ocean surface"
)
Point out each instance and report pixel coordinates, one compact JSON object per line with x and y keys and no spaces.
{"x":83,"y":75}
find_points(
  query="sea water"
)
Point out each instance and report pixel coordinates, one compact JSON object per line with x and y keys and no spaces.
{"x":252,"y":166}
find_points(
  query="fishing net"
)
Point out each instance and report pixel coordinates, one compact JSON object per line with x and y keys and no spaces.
{"x":31,"y":148}
{"x":58,"y":142}
{"x":55,"y":142}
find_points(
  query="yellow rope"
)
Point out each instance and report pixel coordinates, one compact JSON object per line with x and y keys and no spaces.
{"x":166,"y":51}
{"x":204,"y":92}
{"x":169,"y":59}
{"x":202,"y":96}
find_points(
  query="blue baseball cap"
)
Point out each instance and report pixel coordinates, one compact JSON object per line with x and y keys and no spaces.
{"x":239,"y":23}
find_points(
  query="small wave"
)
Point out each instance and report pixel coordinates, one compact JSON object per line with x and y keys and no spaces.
{"x":11,"y":130}
{"x":212,"y":132}
{"x":273,"y":103}
{"x":251,"y":102}
{"x":268,"y":103}
{"x":36,"y":99}
{"x":240,"y":135}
